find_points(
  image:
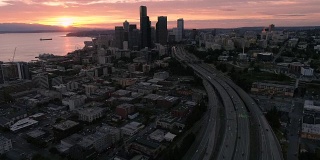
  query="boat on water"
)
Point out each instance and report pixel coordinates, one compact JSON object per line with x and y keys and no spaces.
{"x":45,"y":39}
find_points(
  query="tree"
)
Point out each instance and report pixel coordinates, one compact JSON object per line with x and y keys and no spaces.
{"x":279,"y":60}
{"x":53,"y":150}
{"x":256,"y":68}
{"x":38,"y":157}
{"x":273,"y":117}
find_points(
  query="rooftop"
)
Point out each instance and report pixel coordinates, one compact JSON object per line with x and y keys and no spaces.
{"x":90,"y":111}
{"x":65,"y":125}
{"x":35,"y":133}
{"x":121,"y":92}
{"x":22,"y":124}
{"x":147,"y":143}
{"x":125,"y":105}
{"x":152,"y":96}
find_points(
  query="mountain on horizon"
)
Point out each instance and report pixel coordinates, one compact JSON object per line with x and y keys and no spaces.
{"x":24,"y":27}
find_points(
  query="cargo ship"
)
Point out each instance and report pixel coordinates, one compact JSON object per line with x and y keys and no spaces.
{"x":45,"y":39}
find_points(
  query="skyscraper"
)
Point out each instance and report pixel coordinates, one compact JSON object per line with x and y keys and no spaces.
{"x":180,"y":30}
{"x":145,"y":28}
{"x":143,"y":12}
{"x":133,"y":37}
{"x":162,"y":30}
{"x":119,"y":37}
{"x":126,"y":26}
{"x":271,"y":27}
{"x":126,"y":32}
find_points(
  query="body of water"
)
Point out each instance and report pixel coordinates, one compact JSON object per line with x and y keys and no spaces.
{"x":28,"y":45}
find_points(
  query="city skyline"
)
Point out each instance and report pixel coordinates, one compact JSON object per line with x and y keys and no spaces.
{"x":197,"y":14}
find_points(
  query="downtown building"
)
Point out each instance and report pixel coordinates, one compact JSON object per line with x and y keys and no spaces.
{"x":177,"y":33}
{"x":145,"y":28}
{"x":162,"y":30}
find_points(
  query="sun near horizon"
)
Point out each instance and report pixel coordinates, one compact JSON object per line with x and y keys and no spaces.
{"x":65,"y":22}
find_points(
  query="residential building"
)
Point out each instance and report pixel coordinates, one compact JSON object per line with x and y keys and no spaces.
{"x":72,"y":85}
{"x":5,"y":145}
{"x":41,"y":81}
{"x":90,"y":88}
{"x":56,"y":81}
{"x":14,"y":71}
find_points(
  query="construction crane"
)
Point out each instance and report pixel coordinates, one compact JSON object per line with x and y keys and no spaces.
{"x":14,"y":54}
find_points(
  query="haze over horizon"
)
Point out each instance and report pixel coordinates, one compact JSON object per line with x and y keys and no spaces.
{"x":196,"y":13}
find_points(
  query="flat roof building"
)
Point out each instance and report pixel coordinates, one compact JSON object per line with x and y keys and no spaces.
{"x":23,"y":123}
{"x":90,"y":114}
{"x":5,"y":145}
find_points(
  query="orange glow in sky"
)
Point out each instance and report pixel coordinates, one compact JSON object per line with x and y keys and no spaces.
{"x":196,"y":13}
{"x":65,"y":21}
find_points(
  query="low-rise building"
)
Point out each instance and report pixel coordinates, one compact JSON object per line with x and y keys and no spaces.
{"x":169,"y":137}
{"x":168,"y":101}
{"x":121,"y":93}
{"x":161,"y":75}
{"x":5,"y":145}
{"x":67,"y":143}
{"x":74,"y":101}
{"x":157,"y":135}
{"x":169,"y":122}
{"x":310,"y":105}
{"x":146,"y":147}
{"x":65,"y":129}
{"x":272,"y":89}
{"x":124,"y":110}
{"x":22,"y":124}
{"x":113,"y":133}
{"x":131,"y":128}
{"x":264,"y":57}
{"x":90,"y":114}
{"x":306,"y":71}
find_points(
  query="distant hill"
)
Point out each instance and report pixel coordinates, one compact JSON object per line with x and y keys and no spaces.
{"x":33,"y":28}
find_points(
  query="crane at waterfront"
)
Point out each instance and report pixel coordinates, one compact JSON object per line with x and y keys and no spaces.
{"x":14,"y":54}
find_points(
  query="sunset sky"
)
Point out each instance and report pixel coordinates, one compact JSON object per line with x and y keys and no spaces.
{"x":196,"y":13}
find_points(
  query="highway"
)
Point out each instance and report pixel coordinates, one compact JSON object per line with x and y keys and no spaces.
{"x":238,"y":107}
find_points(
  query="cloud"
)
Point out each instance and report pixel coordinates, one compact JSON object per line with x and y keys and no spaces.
{"x":227,"y":9}
{"x":291,"y":15}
